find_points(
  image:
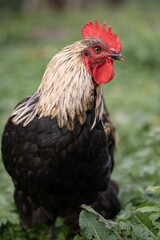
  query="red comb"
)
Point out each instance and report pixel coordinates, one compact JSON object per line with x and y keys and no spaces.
{"x":89,"y":30}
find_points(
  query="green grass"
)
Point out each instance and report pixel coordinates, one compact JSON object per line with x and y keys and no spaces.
{"x":27,"y":43}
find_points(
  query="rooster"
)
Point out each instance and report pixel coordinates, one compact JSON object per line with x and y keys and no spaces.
{"x":58,"y":143}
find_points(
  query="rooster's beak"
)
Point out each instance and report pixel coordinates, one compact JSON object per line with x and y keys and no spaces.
{"x":117,"y":57}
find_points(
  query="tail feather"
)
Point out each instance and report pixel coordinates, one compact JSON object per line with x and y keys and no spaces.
{"x":107,"y":203}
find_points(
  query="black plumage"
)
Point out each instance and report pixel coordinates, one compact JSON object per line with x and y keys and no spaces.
{"x":56,"y":170}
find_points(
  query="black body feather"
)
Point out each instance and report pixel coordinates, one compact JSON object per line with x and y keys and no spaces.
{"x":56,"y":170}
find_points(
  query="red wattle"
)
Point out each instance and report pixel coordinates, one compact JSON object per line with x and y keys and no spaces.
{"x":103,"y":73}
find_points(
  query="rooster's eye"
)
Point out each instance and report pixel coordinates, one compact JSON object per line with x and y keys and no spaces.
{"x":97,"y":49}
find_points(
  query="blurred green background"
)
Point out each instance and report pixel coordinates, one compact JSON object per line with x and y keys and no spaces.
{"x":31,"y":32}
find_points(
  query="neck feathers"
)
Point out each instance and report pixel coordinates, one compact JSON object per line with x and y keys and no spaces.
{"x":66,"y":91}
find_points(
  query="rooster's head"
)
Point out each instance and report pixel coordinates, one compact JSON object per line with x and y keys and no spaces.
{"x":98,"y":58}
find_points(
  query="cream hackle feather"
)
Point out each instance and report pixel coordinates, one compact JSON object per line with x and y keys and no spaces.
{"x":66,"y":90}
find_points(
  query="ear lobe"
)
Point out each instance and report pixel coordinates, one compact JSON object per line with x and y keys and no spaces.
{"x":103,"y":73}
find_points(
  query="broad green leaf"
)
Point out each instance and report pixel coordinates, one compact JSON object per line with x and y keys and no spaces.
{"x":141,"y":232}
{"x":143,"y":227}
{"x":94,"y":226}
